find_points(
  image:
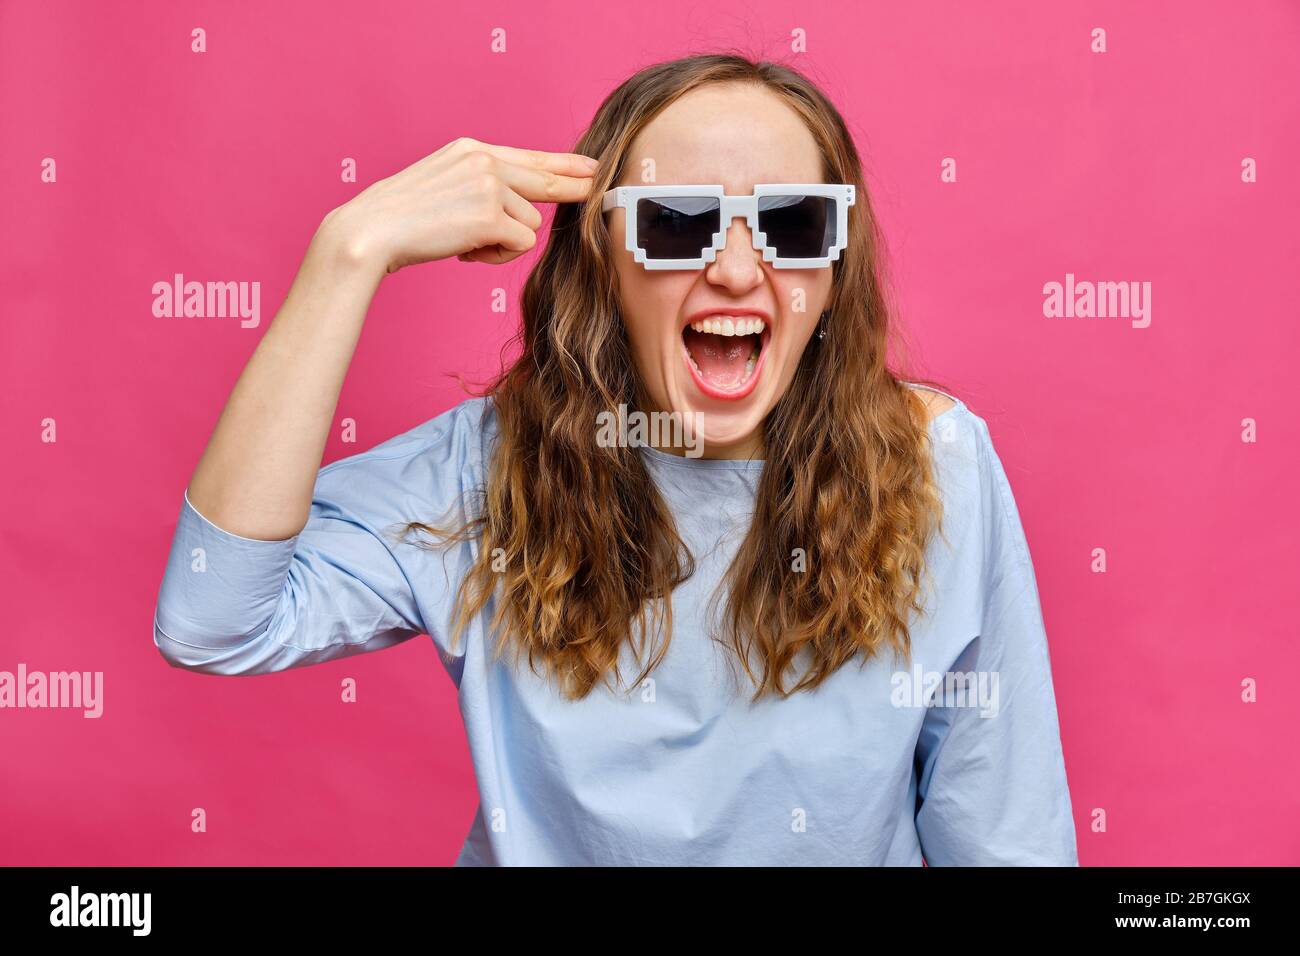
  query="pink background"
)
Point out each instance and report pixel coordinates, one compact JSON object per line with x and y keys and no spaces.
{"x":1122,"y":166}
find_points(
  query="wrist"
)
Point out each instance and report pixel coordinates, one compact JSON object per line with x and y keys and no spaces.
{"x":343,"y":246}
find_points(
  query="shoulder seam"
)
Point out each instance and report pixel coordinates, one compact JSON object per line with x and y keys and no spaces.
{"x":423,"y":445}
{"x":1002,"y":486}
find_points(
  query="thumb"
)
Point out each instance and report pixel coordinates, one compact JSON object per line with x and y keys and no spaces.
{"x":493,"y":255}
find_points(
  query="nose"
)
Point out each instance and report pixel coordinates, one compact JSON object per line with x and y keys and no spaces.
{"x":738,"y":266}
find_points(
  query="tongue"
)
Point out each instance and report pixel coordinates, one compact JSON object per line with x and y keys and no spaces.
{"x":721,"y":358}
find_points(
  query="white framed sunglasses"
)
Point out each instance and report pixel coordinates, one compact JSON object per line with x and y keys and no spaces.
{"x":794,"y":225}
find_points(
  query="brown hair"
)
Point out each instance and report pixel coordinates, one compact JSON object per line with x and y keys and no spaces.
{"x":576,"y":541}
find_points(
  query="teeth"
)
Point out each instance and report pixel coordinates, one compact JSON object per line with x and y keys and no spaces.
{"x":730,"y":325}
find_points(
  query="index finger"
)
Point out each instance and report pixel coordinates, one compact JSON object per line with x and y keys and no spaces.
{"x":565,"y":164}
{"x":544,"y":185}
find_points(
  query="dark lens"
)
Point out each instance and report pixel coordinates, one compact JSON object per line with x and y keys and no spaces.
{"x":798,"y":227}
{"x":676,"y":227}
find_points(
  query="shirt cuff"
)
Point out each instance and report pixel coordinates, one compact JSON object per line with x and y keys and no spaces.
{"x":219,"y":589}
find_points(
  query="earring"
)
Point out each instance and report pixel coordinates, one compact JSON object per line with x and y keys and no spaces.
{"x":821,"y":327}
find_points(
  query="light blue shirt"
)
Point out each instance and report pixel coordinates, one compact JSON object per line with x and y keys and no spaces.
{"x":683,"y":770}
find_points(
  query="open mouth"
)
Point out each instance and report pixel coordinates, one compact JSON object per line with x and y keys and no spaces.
{"x":725,"y":353}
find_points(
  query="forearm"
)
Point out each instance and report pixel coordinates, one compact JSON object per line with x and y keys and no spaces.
{"x":256,"y":476}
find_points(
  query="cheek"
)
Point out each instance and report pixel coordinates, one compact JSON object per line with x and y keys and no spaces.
{"x":651,"y":305}
{"x":644,"y":318}
{"x":802,"y":299}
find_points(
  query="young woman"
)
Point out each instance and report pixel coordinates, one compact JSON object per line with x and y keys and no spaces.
{"x":800,"y":626}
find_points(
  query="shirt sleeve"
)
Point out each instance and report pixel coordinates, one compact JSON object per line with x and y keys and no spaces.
{"x":234,"y":605}
{"x":992,"y":786}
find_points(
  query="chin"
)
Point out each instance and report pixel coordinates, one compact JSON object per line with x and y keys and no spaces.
{"x":719,"y":425}
{"x":733,"y":424}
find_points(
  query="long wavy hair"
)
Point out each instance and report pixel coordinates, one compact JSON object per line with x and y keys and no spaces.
{"x":576,"y":543}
